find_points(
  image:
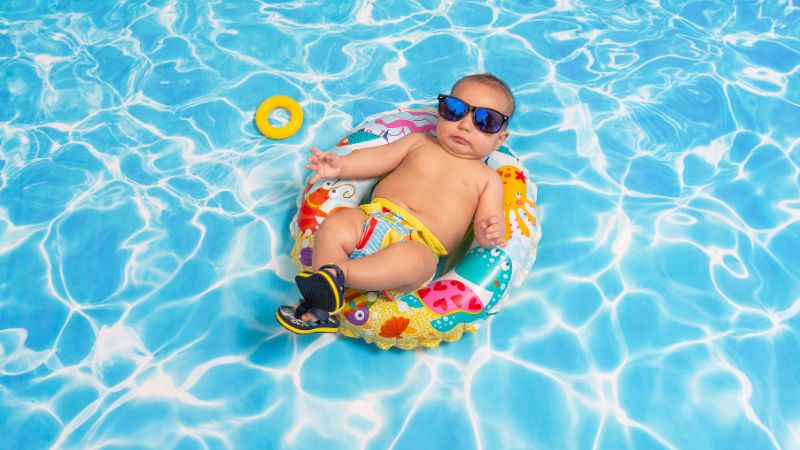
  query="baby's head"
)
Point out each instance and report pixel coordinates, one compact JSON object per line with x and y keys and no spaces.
{"x":492,"y":81}
{"x":474,"y":117}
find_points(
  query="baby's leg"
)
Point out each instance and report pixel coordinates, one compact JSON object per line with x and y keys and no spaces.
{"x":335,"y":240}
{"x":337,"y":237}
{"x":402,"y":266}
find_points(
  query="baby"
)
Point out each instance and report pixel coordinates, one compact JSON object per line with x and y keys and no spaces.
{"x":435,"y":187}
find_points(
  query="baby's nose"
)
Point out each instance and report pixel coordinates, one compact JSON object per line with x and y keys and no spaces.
{"x":466,"y":122}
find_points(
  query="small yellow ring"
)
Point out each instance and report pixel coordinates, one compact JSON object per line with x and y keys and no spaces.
{"x":279,"y":101}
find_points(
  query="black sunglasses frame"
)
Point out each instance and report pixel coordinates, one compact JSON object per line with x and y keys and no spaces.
{"x":472,"y":109}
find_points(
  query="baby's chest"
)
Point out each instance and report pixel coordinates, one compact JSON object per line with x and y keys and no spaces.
{"x":436,"y":165}
{"x":441,"y":174}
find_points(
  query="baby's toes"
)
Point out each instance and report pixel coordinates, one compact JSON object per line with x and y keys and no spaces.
{"x":308,"y":317}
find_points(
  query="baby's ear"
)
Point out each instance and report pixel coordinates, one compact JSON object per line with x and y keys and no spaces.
{"x":503,"y":135}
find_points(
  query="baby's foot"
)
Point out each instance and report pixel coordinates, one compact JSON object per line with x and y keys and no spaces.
{"x":311,"y":320}
{"x":323,"y":288}
{"x":306,"y":317}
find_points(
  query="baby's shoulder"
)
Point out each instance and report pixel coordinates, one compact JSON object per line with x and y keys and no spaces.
{"x":491,"y":174}
{"x":422,"y":143}
{"x":424,"y":138}
{"x":416,"y":141}
{"x":478,"y":172}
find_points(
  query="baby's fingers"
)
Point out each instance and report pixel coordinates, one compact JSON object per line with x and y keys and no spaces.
{"x":496,"y":238}
{"x":493,"y":235}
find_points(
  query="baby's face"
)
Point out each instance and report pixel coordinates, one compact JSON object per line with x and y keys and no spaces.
{"x":462,"y":138}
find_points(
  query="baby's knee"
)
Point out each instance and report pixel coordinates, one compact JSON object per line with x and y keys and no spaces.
{"x":427,"y":262}
{"x":421,"y":265}
{"x":342,"y":221}
{"x":342,"y":230}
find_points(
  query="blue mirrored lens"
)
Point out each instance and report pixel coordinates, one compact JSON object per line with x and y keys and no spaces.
{"x":488,"y":121}
{"x":455,"y":108}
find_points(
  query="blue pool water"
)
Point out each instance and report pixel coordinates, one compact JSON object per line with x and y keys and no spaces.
{"x":144,"y":225}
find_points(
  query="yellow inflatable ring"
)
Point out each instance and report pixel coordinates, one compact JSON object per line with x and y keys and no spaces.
{"x":288,"y":130}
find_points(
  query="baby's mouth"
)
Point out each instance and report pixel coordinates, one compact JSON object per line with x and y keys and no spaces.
{"x":460,"y":140}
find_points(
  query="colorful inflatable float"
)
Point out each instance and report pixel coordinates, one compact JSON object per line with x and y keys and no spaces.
{"x":469,"y":284}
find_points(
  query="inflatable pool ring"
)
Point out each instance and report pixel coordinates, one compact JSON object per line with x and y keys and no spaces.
{"x":279,"y":101}
{"x":469,"y":283}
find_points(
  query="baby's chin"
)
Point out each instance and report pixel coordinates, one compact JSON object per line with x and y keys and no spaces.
{"x":469,"y":156}
{"x":463,"y":151}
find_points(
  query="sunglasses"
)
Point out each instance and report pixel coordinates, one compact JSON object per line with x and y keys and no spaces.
{"x":486,"y":119}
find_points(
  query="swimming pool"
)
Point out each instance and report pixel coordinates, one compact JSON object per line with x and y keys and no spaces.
{"x":144,"y":225}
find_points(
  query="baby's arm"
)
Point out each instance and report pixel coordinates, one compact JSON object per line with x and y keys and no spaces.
{"x":488,"y":222}
{"x":362,"y":163}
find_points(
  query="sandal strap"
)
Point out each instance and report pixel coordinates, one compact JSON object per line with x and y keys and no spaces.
{"x":338,"y":277}
{"x":305,"y":307}
{"x":301,"y":309}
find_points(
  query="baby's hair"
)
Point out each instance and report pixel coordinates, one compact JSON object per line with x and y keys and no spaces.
{"x":491,"y":80}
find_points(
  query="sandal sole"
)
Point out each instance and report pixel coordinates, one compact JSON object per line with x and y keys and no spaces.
{"x":316,"y":288}
{"x":293,"y":329}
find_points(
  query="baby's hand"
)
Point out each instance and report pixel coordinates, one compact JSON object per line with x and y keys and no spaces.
{"x":489,"y":232}
{"x":326,"y":165}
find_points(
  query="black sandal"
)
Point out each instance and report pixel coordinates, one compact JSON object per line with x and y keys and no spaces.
{"x":322,"y":290}
{"x":289,"y":318}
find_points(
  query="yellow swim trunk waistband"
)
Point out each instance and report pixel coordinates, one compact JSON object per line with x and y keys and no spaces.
{"x":421,"y":232}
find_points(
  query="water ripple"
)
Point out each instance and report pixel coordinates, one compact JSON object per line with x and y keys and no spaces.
{"x":144,"y":225}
